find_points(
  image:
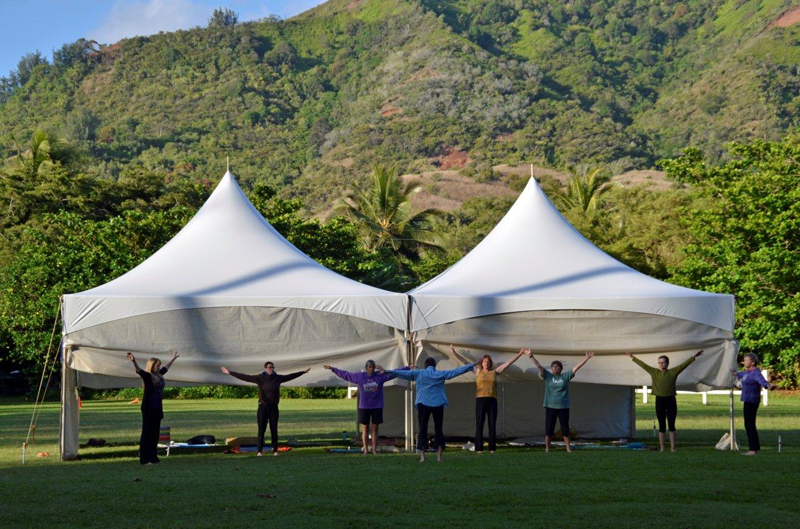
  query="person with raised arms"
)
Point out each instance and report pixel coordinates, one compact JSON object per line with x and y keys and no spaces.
{"x":486,"y":395}
{"x":752,"y":382}
{"x":370,"y":399}
{"x":269,"y":395}
{"x":556,"y":397}
{"x":431,"y":400}
{"x":152,"y":405}
{"x":664,"y":382}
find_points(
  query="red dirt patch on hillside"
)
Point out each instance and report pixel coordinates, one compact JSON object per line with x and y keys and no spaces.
{"x":789,"y":18}
{"x":453,"y":158}
{"x":390,"y":111}
{"x":447,"y":190}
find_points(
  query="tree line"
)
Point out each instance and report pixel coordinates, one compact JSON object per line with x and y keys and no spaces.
{"x":727,"y":227}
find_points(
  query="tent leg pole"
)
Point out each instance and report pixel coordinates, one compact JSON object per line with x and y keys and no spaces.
{"x":733,"y":428}
{"x":503,"y":389}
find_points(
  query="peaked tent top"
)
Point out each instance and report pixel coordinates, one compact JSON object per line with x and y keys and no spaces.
{"x":535,"y":260}
{"x":229,"y":255}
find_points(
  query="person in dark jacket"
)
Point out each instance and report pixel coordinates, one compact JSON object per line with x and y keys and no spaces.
{"x":269,"y":394}
{"x":152,"y":409}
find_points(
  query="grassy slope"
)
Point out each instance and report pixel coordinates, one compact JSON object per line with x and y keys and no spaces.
{"x":698,"y":487}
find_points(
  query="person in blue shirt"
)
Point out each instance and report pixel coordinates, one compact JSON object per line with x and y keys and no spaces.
{"x":752,"y":382}
{"x":431,"y":400}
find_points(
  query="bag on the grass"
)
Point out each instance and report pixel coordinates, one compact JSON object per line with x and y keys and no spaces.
{"x":202,"y":440}
{"x":725,"y":443}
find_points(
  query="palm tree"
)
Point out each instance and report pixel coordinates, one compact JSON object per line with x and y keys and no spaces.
{"x":385,"y":217}
{"x":45,"y":148}
{"x":583,"y":191}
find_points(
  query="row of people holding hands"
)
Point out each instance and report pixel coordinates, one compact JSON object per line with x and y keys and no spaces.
{"x":431,"y":398}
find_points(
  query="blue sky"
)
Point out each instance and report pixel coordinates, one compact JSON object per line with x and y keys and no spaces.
{"x":27,"y":25}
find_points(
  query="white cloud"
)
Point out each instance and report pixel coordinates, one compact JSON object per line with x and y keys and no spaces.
{"x":130,"y":18}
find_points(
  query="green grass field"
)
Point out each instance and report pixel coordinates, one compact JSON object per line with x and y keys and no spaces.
{"x":697,"y":487}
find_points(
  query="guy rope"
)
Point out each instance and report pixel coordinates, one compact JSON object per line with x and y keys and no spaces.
{"x":49,"y":361}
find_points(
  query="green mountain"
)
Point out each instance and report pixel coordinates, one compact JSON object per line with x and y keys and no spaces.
{"x":310,"y":102}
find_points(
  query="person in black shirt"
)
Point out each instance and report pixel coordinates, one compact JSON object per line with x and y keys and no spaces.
{"x":269,"y":394}
{"x":152,"y":409}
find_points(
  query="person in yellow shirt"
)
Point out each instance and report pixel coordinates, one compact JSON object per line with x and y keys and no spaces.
{"x":664,"y":381}
{"x":486,"y":395}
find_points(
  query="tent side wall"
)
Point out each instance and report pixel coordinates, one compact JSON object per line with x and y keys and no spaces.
{"x":567,"y":334}
{"x":598,"y":411}
{"x":240,"y":338}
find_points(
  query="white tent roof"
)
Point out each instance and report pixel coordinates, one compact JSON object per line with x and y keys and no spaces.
{"x":535,"y":260}
{"x":228,"y":255}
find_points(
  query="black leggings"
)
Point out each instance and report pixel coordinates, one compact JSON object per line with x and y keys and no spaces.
{"x":148,"y":442}
{"x":268,"y":413}
{"x":485,"y":406}
{"x":666,"y":412}
{"x":750,"y":411}
{"x":550,"y":416}
{"x":424,"y":413}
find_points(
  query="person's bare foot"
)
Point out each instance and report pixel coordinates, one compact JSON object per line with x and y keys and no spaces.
{"x":259,"y":454}
{"x":569,"y":450}
{"x":546,"y":450}
{"x":673,"y":450}
{"x":275,"y":454}
{"x":750,"y":453}
{"x":422,"y":459}
{"x":439,"y":458}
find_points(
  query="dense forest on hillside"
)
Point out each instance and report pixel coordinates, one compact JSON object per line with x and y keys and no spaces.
{"x":109,"y":149}
{"x":311,"y":102}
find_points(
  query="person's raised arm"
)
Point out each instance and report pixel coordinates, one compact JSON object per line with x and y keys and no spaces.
{"x":133,"y":359}
{"x":650,"y":370}
{"x":175,"y":356}
{"x":763,"y":381}
{"x":589,"y":355}
{"x":460,"y":357}
{"x":405,"y":373}
{"x":344,"y":375}
{"x":688,"y":361}
{"x":457,"y":372}
{"x":292,"y":376}
{"x":506,"y":364}
{"x":253,"y":379}
{"x":536,"y":363}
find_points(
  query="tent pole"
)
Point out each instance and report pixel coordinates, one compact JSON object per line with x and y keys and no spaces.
{"x":733,"y":428}
{"x":408,"y":397}
{"x":503,"y":391}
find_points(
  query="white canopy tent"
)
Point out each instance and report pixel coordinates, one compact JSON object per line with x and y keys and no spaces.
{"x":227,"y":290}
{"x":535,"y":281}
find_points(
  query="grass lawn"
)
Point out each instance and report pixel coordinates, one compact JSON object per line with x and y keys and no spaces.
{"x":697,"y":487}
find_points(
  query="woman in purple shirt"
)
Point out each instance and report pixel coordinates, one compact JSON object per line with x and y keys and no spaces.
{"x":370,"y":399}
{"x":752,"y":382}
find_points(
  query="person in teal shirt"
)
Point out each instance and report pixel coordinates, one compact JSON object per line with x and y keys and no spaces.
{"x":556,"y":397}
